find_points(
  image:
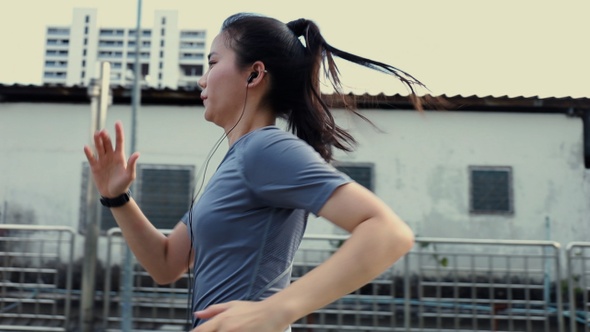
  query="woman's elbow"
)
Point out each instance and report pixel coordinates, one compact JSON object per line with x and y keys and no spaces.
{"x":403,"y":237}
{"x":162,"y":278}
{"x":409,"y":241}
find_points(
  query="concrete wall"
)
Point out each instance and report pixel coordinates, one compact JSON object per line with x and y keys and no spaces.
{"x":421,"y":164}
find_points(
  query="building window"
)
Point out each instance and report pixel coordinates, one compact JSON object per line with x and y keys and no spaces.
{"x":163,"y":32}
{"x":84,"y":52}
{"x":161,"y":65}
{"x":82,"y":75}
{"x":162,"y":43}
{"x":163,"y":21}
{"x":161,"y":54}
{"x":160,"y":76}
{"x":83,"y":63}
{"x":56,"y":52}
{"x":58,"y":31}
{"x":85,"y":41}
{"x":490,"y":190}
{"x":163,"y":210}
{"x":85,"y":30}
{"x":362,"y":173}
{"x":87,"y":19}
{"x":192,"y":70}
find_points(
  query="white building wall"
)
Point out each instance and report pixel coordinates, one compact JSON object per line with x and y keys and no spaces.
{"x":421,"y":164}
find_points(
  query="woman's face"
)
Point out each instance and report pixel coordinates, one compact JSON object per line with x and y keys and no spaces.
{"x":224,"y":85}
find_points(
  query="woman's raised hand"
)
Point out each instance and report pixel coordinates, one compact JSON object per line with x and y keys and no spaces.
{"x":112,"y":173}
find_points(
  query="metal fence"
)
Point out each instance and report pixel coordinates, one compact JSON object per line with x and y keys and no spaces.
{"x":35,"y":278}
{"x":441,"y":285}
{"x":578,"y":278}
{"x":452,"y":285}
{"x":154,"y":307}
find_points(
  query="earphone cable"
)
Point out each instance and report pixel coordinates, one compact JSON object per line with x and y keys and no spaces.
{"x":201,"y":179}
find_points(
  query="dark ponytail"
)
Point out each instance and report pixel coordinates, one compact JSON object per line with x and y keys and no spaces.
{"x":294,"y":70}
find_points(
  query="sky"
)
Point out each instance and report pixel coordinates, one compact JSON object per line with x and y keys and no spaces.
{"x":455,"y":47}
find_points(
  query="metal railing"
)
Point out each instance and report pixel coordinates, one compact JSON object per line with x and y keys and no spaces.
{"x":485,"y":285}
{"x":578,"y":280}
{"x":441,"y":285}
{"x":35,"y":277}
{"x":155,"y":307}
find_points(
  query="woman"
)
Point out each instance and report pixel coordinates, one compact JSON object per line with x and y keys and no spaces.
{"x":242,"y":233}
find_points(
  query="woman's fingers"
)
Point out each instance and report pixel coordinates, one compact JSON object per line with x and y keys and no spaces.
{"x":212,"y":311}
{"x":103,"y":143}
{"x":98,"y":145}
{"x":106,"y":141}
{"x":131,"y":164}
{"x":89,"y":155}
{"x":119,"y":137}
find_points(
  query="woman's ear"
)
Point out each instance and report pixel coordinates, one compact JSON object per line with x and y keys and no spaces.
{"x":257,"y":74}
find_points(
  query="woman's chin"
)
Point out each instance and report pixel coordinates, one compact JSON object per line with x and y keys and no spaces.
{"x":208,"y":117}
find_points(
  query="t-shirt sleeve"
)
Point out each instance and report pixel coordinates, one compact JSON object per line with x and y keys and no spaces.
{"x":284,"y":171}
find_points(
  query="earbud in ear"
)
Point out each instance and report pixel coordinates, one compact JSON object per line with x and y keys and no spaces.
{"x":252,"y":76}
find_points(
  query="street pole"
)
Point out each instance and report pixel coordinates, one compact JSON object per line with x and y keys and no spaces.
{"x":99,"y":93}
{"x":127,"y":297}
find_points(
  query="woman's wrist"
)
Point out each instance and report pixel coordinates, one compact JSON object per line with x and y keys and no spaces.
{"x":283,"y":309}
{"x":113,"y":202}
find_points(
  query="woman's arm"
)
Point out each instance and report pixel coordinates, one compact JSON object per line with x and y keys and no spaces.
{"x":165,"y":258}
{"x":378,"y":239}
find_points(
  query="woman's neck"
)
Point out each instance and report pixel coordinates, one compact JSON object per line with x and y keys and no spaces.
{"x":247,"y":124}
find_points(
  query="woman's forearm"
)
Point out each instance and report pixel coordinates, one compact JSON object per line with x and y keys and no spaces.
{"x":148,"y":244}
{"x":373,"y":246}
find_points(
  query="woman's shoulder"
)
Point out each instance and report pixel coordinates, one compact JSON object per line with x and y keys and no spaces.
{"x":275,"y":145}
{"x":269,"y":137}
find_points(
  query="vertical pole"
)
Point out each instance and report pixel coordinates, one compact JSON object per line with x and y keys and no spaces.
{"x":547,"y":267}
{"x":136,"y":79}
{"x":127,"y":298}
{"x":4,"y":212}
{"x":99,"y":94}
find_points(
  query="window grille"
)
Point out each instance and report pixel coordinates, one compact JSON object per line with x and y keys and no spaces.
{"x":491,"y":190}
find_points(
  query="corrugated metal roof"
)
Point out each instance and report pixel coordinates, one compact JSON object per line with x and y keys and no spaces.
{"x":152,"y":96}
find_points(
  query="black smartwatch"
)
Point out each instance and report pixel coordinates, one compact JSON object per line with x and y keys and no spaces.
{"x":117,"y":201}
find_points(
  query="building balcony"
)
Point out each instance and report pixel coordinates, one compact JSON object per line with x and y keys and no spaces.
{"x":55,"y":75}
{"x":110,"y":44}
{"x":111,"y":33}
{"x":53,"y":65}
{"x":59,"y":44}
{"x":57,"y":31}
{"x":108,"y":57}
{"x":193,"y":35}
{"x":142,"y":56}
{"x":56,"y":56}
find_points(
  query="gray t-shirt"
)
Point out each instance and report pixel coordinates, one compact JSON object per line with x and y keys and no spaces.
{"x":250,"y":219}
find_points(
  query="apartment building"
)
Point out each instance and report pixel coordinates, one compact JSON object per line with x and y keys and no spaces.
{"x":169,"y":57}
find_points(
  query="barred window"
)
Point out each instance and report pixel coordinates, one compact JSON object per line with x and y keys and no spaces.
{"x":491,"y":190}
{"x":359,"y":172}
{"x":163,"y":192}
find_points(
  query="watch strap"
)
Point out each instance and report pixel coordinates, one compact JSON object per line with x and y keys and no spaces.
{"x":116,"y":201}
